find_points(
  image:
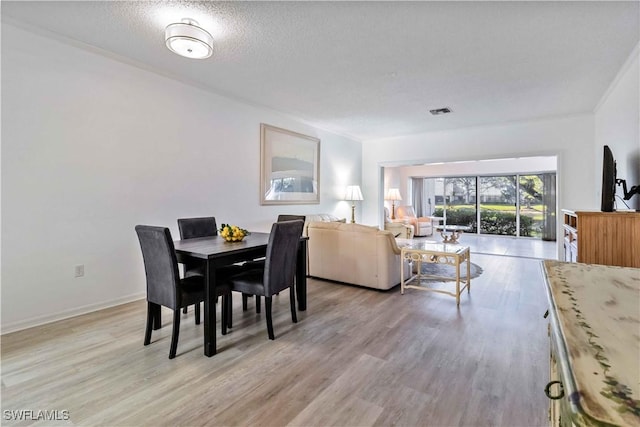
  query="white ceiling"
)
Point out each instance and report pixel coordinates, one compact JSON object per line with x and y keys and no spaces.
{"x":372,"y":69}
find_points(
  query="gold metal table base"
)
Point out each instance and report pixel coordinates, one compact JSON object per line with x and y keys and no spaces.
{"x":452,"y":237}
{"x":451,"y":233}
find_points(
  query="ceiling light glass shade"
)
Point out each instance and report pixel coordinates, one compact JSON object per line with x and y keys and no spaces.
{"x":188,"y":39}
{"x":353,"y":193}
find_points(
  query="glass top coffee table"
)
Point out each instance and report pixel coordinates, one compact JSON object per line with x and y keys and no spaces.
{"x":417,"y":252}
{"x":451,"y":233}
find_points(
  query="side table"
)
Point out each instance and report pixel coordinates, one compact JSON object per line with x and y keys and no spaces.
{"x":435,"y":253}
{"x":451,"y":233}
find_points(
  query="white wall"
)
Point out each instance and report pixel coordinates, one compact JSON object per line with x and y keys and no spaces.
{"x":617,"y":124}
{"x":570,"y":139}
{"x":92,"y":146}
{"x":399,"y":176}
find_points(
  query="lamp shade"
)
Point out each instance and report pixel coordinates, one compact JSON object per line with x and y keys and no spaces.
{"x":187,"y":39}
{"x":393,"y":194}
{"x":353,"y":193}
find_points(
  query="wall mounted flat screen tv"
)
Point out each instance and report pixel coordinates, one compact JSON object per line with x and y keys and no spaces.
{"x":608,"y":181}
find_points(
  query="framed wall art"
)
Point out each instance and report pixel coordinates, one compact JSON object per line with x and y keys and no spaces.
{"x":289,"y":168}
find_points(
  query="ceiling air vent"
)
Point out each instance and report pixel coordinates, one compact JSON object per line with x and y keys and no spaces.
{"x":440,"y":111}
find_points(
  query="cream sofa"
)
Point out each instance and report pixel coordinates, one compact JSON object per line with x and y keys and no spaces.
{"x":308,"y":219}
{"x":353,"y":253}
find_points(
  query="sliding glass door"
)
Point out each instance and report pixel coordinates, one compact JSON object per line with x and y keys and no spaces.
{"x":530,"y":205}
{"x":462,"y":201}
{"x":537,"y":205}
{"x":506,"y":205}
{"x":498,"y":205}
{"x":455,"y":200}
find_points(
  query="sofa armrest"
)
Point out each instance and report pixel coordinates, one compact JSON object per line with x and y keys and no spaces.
{"x":401,"y":230}
{"x":389,"y":236}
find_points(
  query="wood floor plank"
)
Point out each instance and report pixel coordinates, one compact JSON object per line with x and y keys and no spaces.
{"x":356,"y":357}
{"x":344,"y":396}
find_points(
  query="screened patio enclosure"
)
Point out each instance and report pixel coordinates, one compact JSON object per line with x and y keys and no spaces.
{"x":521,"y":205}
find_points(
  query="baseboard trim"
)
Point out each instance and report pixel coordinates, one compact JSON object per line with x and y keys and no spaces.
{"x":66,"y":314}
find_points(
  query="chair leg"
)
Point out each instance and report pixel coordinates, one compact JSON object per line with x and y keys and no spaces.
{"x":157,"y":317}
{"x":267,"y":303}
{"x":245,"y":298}
{"x":225,"y":314}
{"x":184,"y":310}
{"x":292,"y":299}
{"x":197,"y":312}
{"x":257,"y":303}
{"x":150,"y":316}
{"x":230,"y":310}
{"x":175,"y":333}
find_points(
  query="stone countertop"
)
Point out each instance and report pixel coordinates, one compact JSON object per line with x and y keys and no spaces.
{"x":595,"y":316}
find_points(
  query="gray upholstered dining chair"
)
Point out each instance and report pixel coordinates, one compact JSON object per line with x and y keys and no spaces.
{"x":191,"y":228}
{"x":166,"y":288}
{"x":285,"y":217}
{"x":259,"y":263}
{"x":278,"y":272}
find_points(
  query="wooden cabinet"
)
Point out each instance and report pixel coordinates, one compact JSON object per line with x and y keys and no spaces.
{"x":559,"y":412}
{"x":607,"y":238}
{"x":570,"y":241}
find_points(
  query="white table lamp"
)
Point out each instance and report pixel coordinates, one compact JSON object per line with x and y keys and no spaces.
{"x":353,"y":194}
{"x":393,"y":194}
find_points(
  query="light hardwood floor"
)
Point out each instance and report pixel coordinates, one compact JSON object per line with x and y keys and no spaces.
{"x":505,"y":245}
{"x":357,"y":357}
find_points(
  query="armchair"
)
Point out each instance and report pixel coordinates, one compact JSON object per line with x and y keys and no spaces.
{"x":404,"y":231}
{"x":422,"y":226}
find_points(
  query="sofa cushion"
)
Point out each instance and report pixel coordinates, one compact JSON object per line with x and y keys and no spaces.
{"x":321,"y":217}
{"x":343,"y":226}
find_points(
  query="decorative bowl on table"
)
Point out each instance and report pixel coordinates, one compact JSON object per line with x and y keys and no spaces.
{"x":232,"y":233}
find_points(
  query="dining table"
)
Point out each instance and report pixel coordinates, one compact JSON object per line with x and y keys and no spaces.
{"x":215,"y":252}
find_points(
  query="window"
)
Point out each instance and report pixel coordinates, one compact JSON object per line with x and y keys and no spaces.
{"x":507,"y":205}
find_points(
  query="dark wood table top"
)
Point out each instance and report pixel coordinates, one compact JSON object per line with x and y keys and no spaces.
{"x":215,"y":252}
{"x":216,"y":246}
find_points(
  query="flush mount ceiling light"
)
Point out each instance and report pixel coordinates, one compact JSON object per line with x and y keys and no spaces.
{"x":187,"y":39}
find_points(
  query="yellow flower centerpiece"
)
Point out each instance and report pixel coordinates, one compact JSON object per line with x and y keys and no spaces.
{"x":232,"y":233}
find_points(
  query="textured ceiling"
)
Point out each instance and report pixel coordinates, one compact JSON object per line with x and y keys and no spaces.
{"x":372,"y":69}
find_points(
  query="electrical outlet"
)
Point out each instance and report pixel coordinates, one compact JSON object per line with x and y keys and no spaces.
{"x":79,"y":270}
